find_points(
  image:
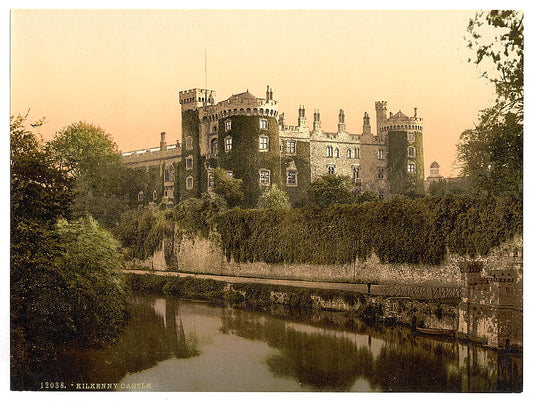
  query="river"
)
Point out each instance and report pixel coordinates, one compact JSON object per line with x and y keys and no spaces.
{"x":176,"y":345}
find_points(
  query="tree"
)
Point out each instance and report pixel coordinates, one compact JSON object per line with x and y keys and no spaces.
{"x":497,"y":37}
{"x":228,"y":188}
{"x":274,"y":198}
{"x":330,"y":190}
{"x":66,"y":286}
{"x":491,"y":154}
{"x":90,"y":156}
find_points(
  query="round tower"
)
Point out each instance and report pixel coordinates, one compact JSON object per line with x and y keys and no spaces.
{"x":248,"y":138}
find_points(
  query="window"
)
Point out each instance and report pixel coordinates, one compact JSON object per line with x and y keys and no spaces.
{"x":154,"y":195}
{"x":356,"y":171}
{"x":229,"y":174}
{"x":411,"y":167}
{"x":188,"y":143}
{"x":210,"y":180}
{"x":228,"y":143}
{"x":263,"y":143}
{"x":140,"y":196}
{"x":349,"y":153}
{"x":411,"y":152}
{"x":380,"y":154}
{"x":263,"y":124}
{"x":189,"y":183}
{"x":357,"y":153}
{"x":411,"y":137}
{"x":291,"y":147}
{"x":264,"y":177}
{"x":331,"y":169}
{"x":381,"y":194}
{"x":292,"y":177}
{"x":228,"y":125}
{"x":329,"y":151}
{"x":126,"y":197}
{"x":189,"y":162}
{"x":381,"y":173}
{"x":337,"y":153}
{"x":169,"y":174}
{"x":214,"y":146}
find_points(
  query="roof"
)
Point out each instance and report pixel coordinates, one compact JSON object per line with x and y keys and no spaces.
{"x":243,"y":95}
{"x":400,"y":114}
{"x":434,"y":165}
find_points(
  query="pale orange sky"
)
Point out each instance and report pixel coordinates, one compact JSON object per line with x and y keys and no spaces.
{"x":123,"y":69}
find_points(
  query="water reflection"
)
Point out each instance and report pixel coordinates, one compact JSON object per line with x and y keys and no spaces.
{"x":183,"y":346}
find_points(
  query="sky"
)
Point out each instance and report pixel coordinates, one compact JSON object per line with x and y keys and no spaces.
{"x":122,"y":70}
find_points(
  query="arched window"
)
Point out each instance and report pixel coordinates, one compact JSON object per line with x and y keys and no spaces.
{"x":357,"y":153}
{"x":189,"y":183}
{"x":337,"y":153}
{"x":154,"y":195}
{"x":349,"y":153}
{"x":329,"y":151}
{"x":140,"y":196}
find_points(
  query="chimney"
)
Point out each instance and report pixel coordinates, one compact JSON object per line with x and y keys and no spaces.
{"x":415,"y":111}
{"x":163,"y":143}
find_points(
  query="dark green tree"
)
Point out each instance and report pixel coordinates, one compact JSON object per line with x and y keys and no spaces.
{"x":330,"y":190}
{"x":56,"y":279}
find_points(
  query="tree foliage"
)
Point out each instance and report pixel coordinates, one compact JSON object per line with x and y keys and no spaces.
{"x":497,"y":38}
{"x":491,"y":154}
{"x":65,"y":289}
{"x":229,"y":188}
{"x":90,"y":156}
{"x":330,"y":190}
{"x":274,"y":198}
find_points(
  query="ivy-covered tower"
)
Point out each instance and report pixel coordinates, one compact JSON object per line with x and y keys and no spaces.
{"x":405,"y":158}
{"x":239,"y":134}
{"x":248,"y":138}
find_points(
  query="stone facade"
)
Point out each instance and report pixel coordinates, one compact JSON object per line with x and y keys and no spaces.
{"x":248,"y":137}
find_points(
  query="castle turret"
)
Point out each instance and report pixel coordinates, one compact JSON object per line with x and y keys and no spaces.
{"x":366,"y":124}
{"x":316,"y":121}
{"x":342,"y":124}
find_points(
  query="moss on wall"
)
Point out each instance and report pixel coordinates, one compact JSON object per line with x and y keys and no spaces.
{"x":190,"y":125}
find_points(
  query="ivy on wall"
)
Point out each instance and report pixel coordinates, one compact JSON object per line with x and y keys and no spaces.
{"x":401,"y":181}
{"x":418,"y":231}
{"x":245,"y":159}
{"x":297,"y":194}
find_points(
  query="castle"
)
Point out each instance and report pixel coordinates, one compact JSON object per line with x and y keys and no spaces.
{"x":249,"y":138}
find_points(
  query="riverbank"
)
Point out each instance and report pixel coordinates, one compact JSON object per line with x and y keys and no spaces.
{"x":255,"y":293}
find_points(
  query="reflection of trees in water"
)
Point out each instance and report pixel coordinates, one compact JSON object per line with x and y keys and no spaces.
{"x":331,"y":361}
{"x":144,"y":342}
